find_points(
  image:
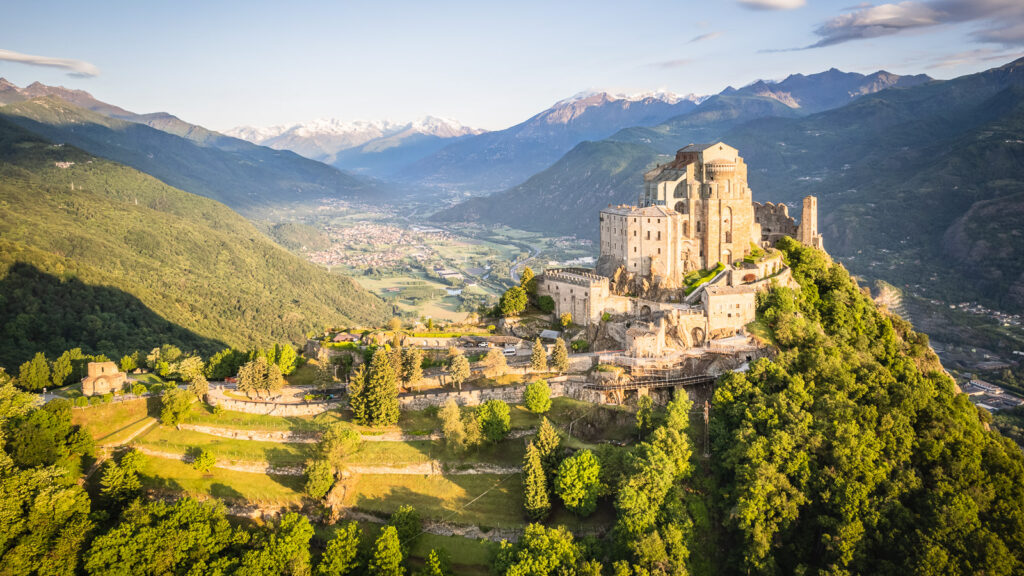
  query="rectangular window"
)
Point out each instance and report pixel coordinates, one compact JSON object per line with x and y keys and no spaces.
{"x":659,"y":234}
{"x":648,"y":234}
{"x":659,"y":250}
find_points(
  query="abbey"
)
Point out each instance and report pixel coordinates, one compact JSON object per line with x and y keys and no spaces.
{"x":682,"y":266}
{"x":693,"y":213}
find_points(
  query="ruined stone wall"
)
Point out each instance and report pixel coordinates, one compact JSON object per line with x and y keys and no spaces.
{"x":570,"y":386}
{"x":775,"y":222}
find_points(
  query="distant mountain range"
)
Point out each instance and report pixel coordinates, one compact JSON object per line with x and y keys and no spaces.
{"x":326,"y":139}
{"x":243,"y":175}
{"x":917,"y":184}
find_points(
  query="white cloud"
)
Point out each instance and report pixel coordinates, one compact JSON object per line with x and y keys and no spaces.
{"x":1002,"y":21}
{"x":772,"y":4}
{"x":74,"y":67}
{"x":703,"y":37}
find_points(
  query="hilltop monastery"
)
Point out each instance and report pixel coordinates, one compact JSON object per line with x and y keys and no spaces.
{"x":682,"y":266}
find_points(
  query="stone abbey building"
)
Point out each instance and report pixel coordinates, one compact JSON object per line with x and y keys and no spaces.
{"x":694,"y":215}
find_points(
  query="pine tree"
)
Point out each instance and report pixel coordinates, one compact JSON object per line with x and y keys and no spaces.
{"x":412,"y":366}
{"x":560,"y":357}
{"x":341,"y":556}
{"x":357,"y":394}
{"x":644,"y":416}
{"x":547,"y":443}
{"x":387,"y":555}
{"x":538,"y":503}
{"x":381,"y":391}
{"x":538,"y":357}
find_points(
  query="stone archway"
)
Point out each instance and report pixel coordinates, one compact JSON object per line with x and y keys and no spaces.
{"x":698,"y":336}
{"x":645,"y":312}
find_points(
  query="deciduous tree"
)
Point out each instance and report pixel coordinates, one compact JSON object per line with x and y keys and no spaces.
{"x":513,"y":301}
{"x":578,"y":482}
{"x":451,"y":425}
{"x":537,"y":397}
{"x":34,"y":374}
{"x":495,"y":364}
{"x":458,"y":369}
{"x":495,"y":420}
{"x":319,"y":478}
{"x":174,"y":405}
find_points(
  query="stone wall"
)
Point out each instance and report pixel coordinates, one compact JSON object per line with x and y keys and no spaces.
{"x":273,"y":408}
{"x":570,"y":386}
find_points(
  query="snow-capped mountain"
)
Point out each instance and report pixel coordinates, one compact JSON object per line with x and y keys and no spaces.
{"x":324,"y":138}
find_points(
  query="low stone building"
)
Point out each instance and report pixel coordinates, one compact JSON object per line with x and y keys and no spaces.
{"x":103,"y":378}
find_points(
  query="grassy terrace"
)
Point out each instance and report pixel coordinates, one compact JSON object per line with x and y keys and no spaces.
{"x":172,"y":478}
{"x":115,"y":422}
{"x":180,"y":441}
{"x":484,"y":500}
{"x":203,"y":414}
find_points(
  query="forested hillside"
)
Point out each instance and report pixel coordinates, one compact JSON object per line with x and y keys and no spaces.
{"x":851,"y":452}
{"x":242,"y":175}
{"x":98,"y":255}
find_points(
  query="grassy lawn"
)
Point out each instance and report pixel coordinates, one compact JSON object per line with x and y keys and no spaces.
{"x":173,"y":477}
{"x":175,"y":441}
{"x":394,"y":453}
{"x":107,"y":423}
{"x":442,"y":497}
{"x":304,"y":375}
{"x":203,"y":414}
{"x":760,"y":331}
{"x":147,"y":378}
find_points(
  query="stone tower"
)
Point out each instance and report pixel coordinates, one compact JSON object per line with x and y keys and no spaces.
{"x":808,"y":231}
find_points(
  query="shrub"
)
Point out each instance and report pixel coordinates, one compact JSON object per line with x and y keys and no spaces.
{"x":537,"y":397}
{"x":546,"y":304}
{"x":81,"y":401}
{"x":339,"y":442}
{"x":175,"y":403}
{"x":108,"y":398}
{"x":606,"y":317}
{"x":95,"y":400}
{"x":495,"y":420}
{"x":204,"y":461}
{"x":580,"y":345}
{"x":319,"y":478}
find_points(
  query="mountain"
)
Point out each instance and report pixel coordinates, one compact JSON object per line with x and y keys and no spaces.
{"x":243,"y":175}
{"x":496,"y":160}
{"x":99,"y":255}
{"x":826,"y":90}
{"x":920,"y":185}
{"x":324,"y":139}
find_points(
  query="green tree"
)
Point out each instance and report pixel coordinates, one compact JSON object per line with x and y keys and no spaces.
{"x":458,"y":369}
{"x":45,"y":520}
{"x":129,"y":362}
{"x":436,"y":564}
{"x":341,"y":556}
{"x":387,"y":555}
{"x":395,"y":324}
{"x":537,"y":397}
{"x":560,"y":357}
{"x":408,"y":524}
{"x":356,"y":390}
{"x":513,"y":301}
{"x":528,"y":281}
{"x":474,"y":433}
{"x":189,"y":368}
{"x":34,"y":374}
{"x":199,"y":387}
{"x":451,"y":425}
{"x":644,"y":415}
{"x":494,"y":363}
{"x":578,"y":482}
{"x":338,"y":443}
{"x":120,"y":482}
{"x":287,"y":359}
{"x":535,"y":485}
{"x":546,"y":304}
{"x":204,"y":461}
{"x":224,"y":364}
{"x":412,"y":366}
{"x":495,"y":420}
{"x":281,"y":549}
{"x":540,"y":552}
{"x":60,"y":370}
{"x":319,"y":478}
{"x":548,"y":442}
{"x":538,"y":357}
{"x":252,"y":377}
{"x":175,"y":403}
{"x":380,"y":392}
{"x":44,"y":436}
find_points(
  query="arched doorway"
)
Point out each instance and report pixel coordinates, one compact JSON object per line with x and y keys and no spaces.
{"x":698,"y":336}
{"x":645,"y":312}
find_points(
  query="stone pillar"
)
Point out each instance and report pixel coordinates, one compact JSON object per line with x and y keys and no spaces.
{"x":809,"y":221}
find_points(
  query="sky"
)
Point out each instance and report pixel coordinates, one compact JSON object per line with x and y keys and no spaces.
{"x":486,"y":63}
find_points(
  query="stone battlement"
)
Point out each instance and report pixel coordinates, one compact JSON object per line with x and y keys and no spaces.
{"x":576,"y":276}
